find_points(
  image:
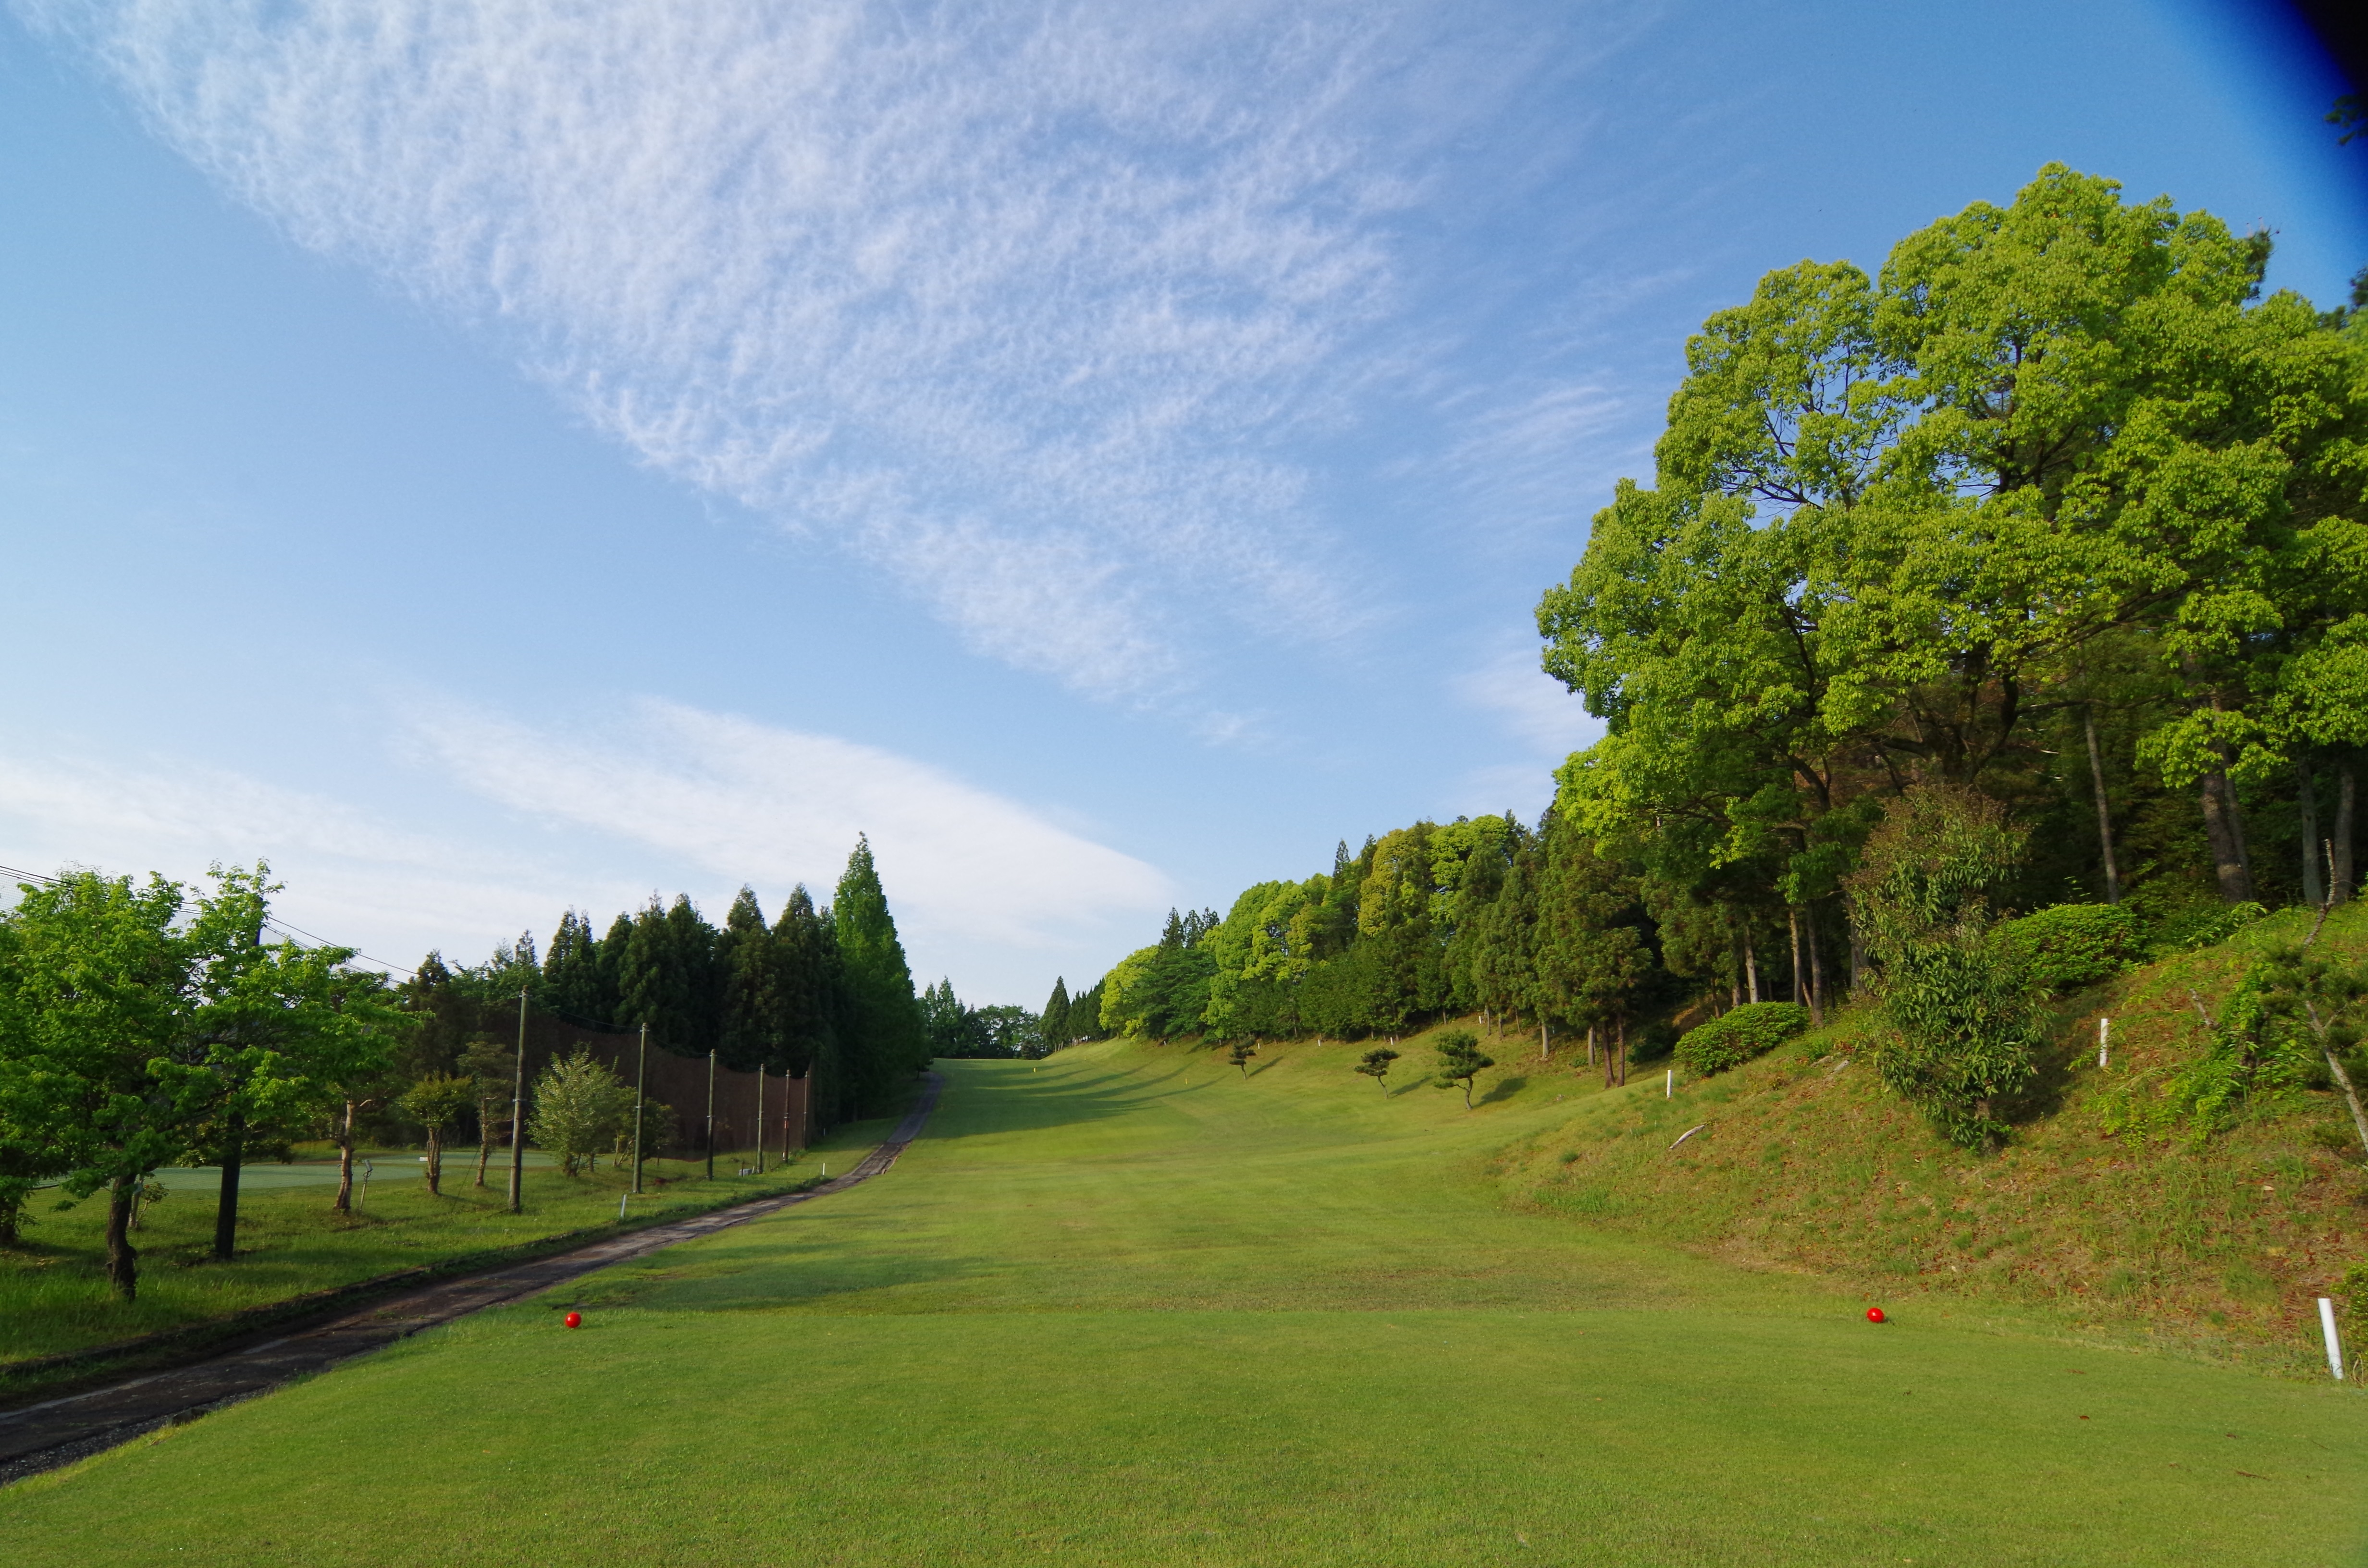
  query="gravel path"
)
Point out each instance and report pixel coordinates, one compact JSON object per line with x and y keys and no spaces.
{"x":43,"y":1437}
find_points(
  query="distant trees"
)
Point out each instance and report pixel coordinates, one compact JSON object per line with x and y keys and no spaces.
{"x":956,"y":1030}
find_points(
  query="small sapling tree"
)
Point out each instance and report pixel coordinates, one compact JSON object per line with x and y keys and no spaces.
{"x":1376,"y":1066}
{"x":1459,"y":1062}
{"x":490,"y":1066}
{"x":433,"y":1102}
{"x":579,"y":1105}
{"x":1240,"y":1055}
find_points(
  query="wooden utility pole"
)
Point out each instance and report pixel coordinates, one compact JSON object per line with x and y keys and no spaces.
{"x":518,"y":1114}
{"x":641,"y":1076}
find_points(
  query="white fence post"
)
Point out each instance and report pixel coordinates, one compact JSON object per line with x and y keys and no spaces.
{"x":2334,"y":1346}
{"x":2104,"y":1039}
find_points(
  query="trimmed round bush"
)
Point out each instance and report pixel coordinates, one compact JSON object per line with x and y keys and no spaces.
{"x":2068,"y":945}
{"x":1733,"y":1038}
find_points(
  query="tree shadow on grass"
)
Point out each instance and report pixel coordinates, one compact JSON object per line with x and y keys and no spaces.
{"x":1503,"y":1089}
{"x":1033,"y":1103}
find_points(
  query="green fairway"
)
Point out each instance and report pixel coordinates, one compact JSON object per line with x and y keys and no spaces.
{"x":1134,"y":1307}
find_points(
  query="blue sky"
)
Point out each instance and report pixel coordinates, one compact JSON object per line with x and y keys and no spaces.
{"x":492,"y":459}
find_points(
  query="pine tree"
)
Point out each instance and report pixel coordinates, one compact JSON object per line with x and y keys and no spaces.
{"x":571,"y":972}
{"x":753,"y":1016}
{"x":1055,"y":1021}
{"x":888,"y":1044}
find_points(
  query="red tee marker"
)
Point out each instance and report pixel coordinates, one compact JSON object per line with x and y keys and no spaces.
{"x":1874,"y":1314}
{"x":574,"y":1319}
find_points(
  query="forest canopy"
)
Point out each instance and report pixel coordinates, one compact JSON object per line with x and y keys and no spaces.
{"x":2056,"y":516}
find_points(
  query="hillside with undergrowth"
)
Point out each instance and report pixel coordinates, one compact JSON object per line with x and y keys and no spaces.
{"x":1801,"y":1159}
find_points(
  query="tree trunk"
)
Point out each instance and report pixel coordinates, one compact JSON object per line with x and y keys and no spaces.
{"x":2225,"y":825}
{"x":1750,"y":968}
{"x":345,"y":1203}
{"x":2314,"y":849}
{"x":1590,"y":1045}
{"x":226,"y":1206}
{"x":435,"y":1162}
{"x":2350,"y":1099}
{"x":484,"y":1139}
{"x":2342,"y":875}
{"x":1792,"y":919}
{"x":1622,"y":1028}
{"x":1816,"y":969}
{"x":1545,"y":1042}
{"x":123,"y":1261}
{"x":2105,"y":813}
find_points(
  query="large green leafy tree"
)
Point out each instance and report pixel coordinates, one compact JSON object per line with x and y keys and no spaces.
{"x":131,"y":1038}
{"x":887,"y":1041}
{"x":1897,"y":520}
{"x":96,"y":982}
{"x":269,"y":1025}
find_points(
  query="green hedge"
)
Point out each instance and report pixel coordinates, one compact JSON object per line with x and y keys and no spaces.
{"x":2070,"y":945}
{"x":1734,"y":1038}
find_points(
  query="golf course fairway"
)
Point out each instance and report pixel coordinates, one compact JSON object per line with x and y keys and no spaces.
{"x":1131,"y":1306}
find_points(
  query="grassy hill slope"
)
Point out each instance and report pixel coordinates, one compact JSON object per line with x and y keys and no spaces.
{"x":1803,"y":1160}
{"x":1133,"y":1307}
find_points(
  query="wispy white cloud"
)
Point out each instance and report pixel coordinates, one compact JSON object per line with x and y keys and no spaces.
{"x":664,"y":797}
{"x":748,"y":801}
{"x":1534,"y":706}
{"x":349,"y":875}
{"x":1021,"y":302}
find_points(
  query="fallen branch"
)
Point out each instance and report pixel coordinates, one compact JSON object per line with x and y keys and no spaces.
{"x":1688,"y":1133}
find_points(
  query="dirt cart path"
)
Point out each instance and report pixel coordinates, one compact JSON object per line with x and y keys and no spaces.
{"x":43,"y":1437}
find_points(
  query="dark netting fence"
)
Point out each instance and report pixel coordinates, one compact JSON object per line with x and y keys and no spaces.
{"x":743,"y":1103}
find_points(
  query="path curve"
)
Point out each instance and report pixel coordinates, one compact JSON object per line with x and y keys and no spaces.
{"x":43,"y":1437}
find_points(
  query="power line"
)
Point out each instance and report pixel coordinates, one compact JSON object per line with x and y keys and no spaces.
{"x":293,"y":932}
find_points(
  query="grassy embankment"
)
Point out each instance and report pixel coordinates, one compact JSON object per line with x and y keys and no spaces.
{"x":1132,"y":1307}
{"x":53,"y":1295}
{"x":1803,"y":1160}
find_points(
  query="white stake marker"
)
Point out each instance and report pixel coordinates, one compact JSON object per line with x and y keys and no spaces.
{"x":1670,"y":1090}
{"x":2104,"y":1039}
{"x":2334,"y":1346}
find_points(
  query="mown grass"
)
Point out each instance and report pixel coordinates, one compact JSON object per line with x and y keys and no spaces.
{"x":54,"y":1294}
{"x":2218,"y":1244}
{"x":1131,"y":1308}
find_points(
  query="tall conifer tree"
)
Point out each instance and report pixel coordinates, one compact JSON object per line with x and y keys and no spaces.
{"x":888,"y":1041}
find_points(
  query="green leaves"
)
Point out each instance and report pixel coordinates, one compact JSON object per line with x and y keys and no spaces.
{"x":1459,"y":1062}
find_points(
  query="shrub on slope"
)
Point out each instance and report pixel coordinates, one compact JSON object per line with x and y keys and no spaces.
{"x":1734,"y":1037}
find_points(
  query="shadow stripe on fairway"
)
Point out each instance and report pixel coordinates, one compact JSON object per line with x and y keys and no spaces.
{"x":59,"y":1431}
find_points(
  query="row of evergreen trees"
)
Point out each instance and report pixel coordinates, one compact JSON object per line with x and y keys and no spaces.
{"x":822,"y":991}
